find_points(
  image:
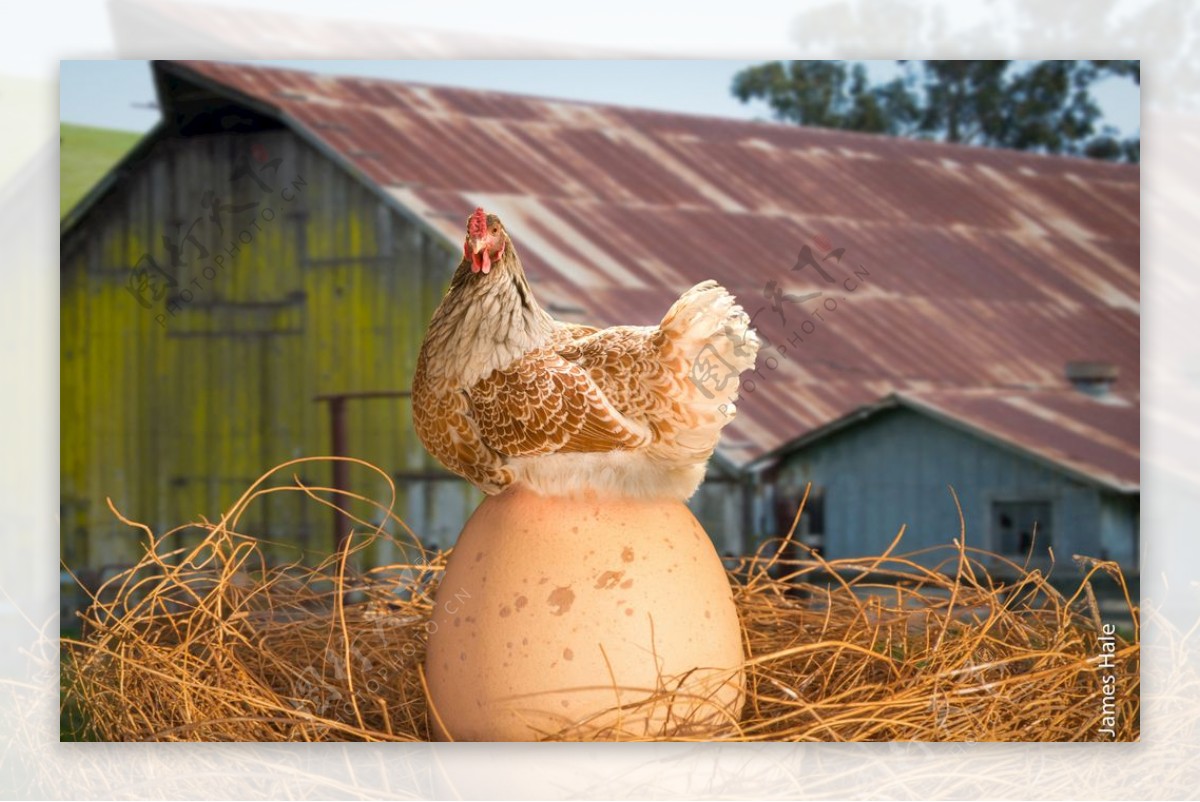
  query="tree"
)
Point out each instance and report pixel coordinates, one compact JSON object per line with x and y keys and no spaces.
{"x":1045,"y":106}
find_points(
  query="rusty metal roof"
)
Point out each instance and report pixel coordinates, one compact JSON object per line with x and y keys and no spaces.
{"x":1095,"y":437}
{"x":952,"y":268}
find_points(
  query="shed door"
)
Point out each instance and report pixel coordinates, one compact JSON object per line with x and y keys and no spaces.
{"x":1021,"y":526}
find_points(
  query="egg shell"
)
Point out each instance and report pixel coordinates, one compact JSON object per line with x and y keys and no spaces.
{"x":561,"y":617}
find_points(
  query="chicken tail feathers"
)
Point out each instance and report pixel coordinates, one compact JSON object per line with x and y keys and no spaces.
{"x":708,"y":336}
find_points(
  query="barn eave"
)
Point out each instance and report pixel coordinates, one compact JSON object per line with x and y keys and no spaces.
{"x":891,"y":401}
{"x":162,"y":128}
{"x":320,"y":145}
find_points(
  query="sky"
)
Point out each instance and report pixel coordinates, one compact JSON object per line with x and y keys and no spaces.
{"x":120,"y":94}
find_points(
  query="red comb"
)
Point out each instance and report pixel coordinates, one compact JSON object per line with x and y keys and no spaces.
{"x":477,"y":225}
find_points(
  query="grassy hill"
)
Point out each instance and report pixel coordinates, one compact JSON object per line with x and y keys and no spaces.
{"x":87,"y":154}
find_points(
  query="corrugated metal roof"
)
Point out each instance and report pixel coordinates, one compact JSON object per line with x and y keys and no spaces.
{"x":963,"y":267}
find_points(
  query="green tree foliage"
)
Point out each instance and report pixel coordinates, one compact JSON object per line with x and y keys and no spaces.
{"x":1043,"y":106}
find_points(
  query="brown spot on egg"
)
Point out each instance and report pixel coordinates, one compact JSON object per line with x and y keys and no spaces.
{"x":627,"y":554}
{"x":543,"y":580}
{"x":627,"y":584}
{"x":458,"y":622}
{"x":479,"y":556}
{"x":505,"y":611}
{"x":561,"y":599}
{"x":520,"y":602}
{"x":628,"y":611}
{"x":707,"y":614}
{"x":524,"y":641}
{"x":609,"y":579}
{"x":565,"y":703}
{"x":575,"y":529}
{"x":568,"y":654}
{"x":462,"y":656}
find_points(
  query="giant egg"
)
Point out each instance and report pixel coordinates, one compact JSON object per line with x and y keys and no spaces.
{"x":583,"y":619}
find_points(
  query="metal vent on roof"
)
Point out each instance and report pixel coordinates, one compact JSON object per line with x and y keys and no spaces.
{"x":1091,"y":377}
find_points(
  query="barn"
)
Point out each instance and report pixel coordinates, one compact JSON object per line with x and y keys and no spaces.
{"x":250,"y":286}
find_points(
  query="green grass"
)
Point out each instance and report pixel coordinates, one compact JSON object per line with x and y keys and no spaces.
{"x":87,"y":154}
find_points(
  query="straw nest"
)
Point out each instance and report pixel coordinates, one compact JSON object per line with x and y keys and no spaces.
{"x":213,"y":643}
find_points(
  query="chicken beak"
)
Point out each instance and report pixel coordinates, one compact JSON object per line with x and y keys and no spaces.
{"x":478,"y":245}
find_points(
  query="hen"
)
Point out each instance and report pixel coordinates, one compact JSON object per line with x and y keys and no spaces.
{"x":504,"y":393}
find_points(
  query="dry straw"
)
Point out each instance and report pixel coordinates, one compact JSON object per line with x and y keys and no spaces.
{"x":212,"y":643}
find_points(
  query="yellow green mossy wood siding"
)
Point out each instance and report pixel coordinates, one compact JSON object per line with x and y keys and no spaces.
{"x":310,"y":286}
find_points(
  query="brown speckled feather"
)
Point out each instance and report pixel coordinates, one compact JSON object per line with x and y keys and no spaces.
{"x":544,"y":404}
{"x":629,"y":366}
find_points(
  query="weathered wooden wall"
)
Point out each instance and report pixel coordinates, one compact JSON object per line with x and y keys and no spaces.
{"x":896,"y":468}
{"x":322,"y":289}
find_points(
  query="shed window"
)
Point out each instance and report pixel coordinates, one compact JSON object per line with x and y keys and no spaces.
{"x":1019,"y":526}
{"x":811,"y":529}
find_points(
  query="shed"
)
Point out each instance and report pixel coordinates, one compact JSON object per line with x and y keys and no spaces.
{"x":281,"y":238}
{"x":1031,"y":476}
